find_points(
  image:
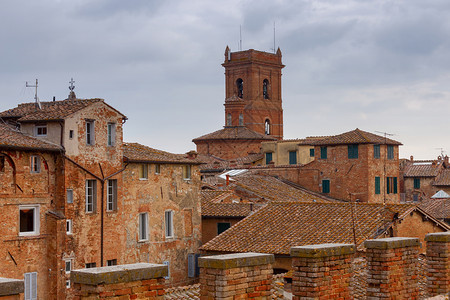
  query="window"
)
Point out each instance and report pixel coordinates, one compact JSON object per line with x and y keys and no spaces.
{"x":167,"y":263}
{"x":111,"y":134}
{"x":241,"y":120}
{"x":228,"y":119}
{"x":67,"y":284}
{"x":267,"y":127}
{"x":30,"y":286}
{"x":417,"y":183}
{"x":70,"y":134}
{"x":69,"y":226}
{"x":376,"y":151}
{"x":69,"y":195}
{"x":222,"y":226}
{"x":143,"y":227}
{"x":352,"y":151}
{"x":265,"y":89}
{"x":415,"y":197}
{"x":68,"y":266}
{"x":2,"y":164}
{"x":292,"y":157}
{"x":391,"y":185}
{"x":268,"y":157}
{"x":35,"y":166}
{"x":29,"y":220}
{"x":168,"y":223}
{"x":377,"y":186}
{"x":111,"y":262}
{"x":390,"y":152}
{"x":157,"y":169}
{"x":90,"y":137}
{"x":40,"y":130}
{"x":143,"y":171}
{"x":311,"y":152}
{"x":323,"y":152}
{"x":325,"y":186}
{"x":186,"y":172}
{"x":91,"y":265}
{"x":111,"y":195}
{"x":91,"y":195}
{"x":240,"y":87}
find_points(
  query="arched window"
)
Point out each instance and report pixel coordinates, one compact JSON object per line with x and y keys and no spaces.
{"x":228,"y":119}
{"x":240,"y":87}
{"x":241,"y":120}
{"x":267,"y":127}
{"x":265,"y":89}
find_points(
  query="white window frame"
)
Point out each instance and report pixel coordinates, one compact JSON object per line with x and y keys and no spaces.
{"x":187,"y":172}
{"x":68,"y":262}
{"x":168,"y":224}
{"x":36,"y":221}
{"x":37,"y":128}
{"x":68,"y":284}
{"x":90,"y":132}
{"x":91,"y":195}
{"x":35,"y":164}
{"x":69,"y":195}
{"x":30,"y":286}
{"x":143,"y":227}
{"x":157,"y":169}
{"x":69,"y":226}
{"x":111,"y":134}
{"x":111,"y":195}
{"x":144,"y":169}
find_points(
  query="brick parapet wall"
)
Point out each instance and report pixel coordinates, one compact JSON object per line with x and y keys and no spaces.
{"x":133,"y":281}
{"x":392,"y":268}
{"x":438,"y":254}
{"x":322,"y":271}
{"x":236,"y":276}
{"x":11,"y":289}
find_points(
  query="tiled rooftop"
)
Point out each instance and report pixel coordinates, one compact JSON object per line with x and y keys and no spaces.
{"x":135,"y":152}
{"x":443,"y":179}
{"x":279,"y":226}
{"x":422,"y":169}
{"x":211,"y":162}
{"x":13,"y":139}
{"x":49,"y":111}
{"x":356,"y":136}
{"x":234,"y":133}
{"x":438,"y":208}
{"x":210,"y":209}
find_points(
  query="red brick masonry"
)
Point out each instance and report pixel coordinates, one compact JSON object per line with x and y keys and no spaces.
{"x":438,"y":253}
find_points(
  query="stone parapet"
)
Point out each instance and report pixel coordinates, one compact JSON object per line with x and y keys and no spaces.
{"x":10,"y":289}
{"x":438,"y":260}
{"x":322,"y":271}
{"x":392,"y":268}
{"x":236,"y":276}
{"x":137,"y":281}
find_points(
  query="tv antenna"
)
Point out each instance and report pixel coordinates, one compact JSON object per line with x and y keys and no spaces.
{"x":240,"y":37}
{"x":442,"y":151}
{"x":38,"y":104}
{"x":274,"y":49}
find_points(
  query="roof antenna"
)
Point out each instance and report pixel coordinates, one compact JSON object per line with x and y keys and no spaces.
{"x":240,"y":37}
{"x":442,"y":151}
{"x":38,"y":104}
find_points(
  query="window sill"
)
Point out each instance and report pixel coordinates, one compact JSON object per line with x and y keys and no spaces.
{"x":143,"y":179}
{"x":27,"y":234}
{"x":142,"y":241}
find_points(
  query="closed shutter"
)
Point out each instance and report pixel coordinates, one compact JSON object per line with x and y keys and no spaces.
{"x":325,"y":186}
{"x":191,"y":265}
{"x":377,"y":185}
{"x":395,"y":185}
{"x":30,"y":292}
{"x":292,"y":157}
{"x":387,"y":185}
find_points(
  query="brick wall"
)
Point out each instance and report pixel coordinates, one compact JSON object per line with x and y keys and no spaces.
{"x":236,"y":276}
{"x":438,"y":254}
{"x":392,"y":264}
{"x":11,"y":289}
{"x":322,"y":271}
{"x":133,"y":281}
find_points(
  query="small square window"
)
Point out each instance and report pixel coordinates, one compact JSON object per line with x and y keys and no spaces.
{"x":143,"y":172}
{"x":323,"y":153}
{"x":40,"y":130}
{"x":186,"y":172}
{"x":28,"y":220}
{"x":69,"y":226}
{"x":91,"y":265}
{"x":268,"y":158}
{"x":70,"y":134}
{"x":157,"y":169}
{"x":67,"y":284}
{"x":111,"y":262}
{"x":311,"y":152}
{"x":69,"y":195}
{"x":35,"y":164}
{"x":68,"y":266}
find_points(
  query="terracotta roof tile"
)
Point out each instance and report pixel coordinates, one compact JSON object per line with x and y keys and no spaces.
{"x":356,"y":136}
{"x":443,"y":179}
{"x":279,"y":226}
{"x":12,"y":139}
{"x":422,"y":169}
{"x":135,"y":152}
{"x":234,"y":133}
{"x":211,"y":162}
{"x":438,"y":208}
{"x":210,"y":209}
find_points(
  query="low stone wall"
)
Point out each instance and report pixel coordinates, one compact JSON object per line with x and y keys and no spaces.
{"x":236,"y":276}
{"x":11,"y":289}
{"x":322,"y":271}
{"x":438,"y":254}
{"x":133,"y":281}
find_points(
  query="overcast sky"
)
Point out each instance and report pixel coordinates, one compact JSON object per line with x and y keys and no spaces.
{"x":375,"y":65}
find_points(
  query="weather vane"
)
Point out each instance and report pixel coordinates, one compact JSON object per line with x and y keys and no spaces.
{"x":71,"y":87}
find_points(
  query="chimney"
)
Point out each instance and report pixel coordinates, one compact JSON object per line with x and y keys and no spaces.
{"x":192,"y":154}
{"x":411,"y":158}
{"x":228,"y":179}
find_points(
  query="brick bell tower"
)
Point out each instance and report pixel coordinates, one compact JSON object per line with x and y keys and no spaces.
{"x":254,"y":79}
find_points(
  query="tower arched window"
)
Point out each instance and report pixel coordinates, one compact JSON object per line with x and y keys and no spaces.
{"x":267,"y":127}
{"x":228,"y":119}
{"x":266,"y":89}
{"x":240,"y":87}
{"x":241,"y":120}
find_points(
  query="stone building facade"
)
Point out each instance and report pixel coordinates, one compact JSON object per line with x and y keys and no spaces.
{"x":73,"y":195}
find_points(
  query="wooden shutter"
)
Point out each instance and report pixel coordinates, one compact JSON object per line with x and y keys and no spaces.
{"x":377,"y":185}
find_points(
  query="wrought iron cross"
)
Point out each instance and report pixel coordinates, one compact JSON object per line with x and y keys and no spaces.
{"x":71,"y":87}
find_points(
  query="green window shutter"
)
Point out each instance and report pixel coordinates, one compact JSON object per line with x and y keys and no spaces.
{"x":292,"y":157}
{"x":387,"y":185}
{"x":352,"y":151}
{"x":376,"y":151}
{"x":311,"y":152}
{"x":417,"y":183}
{"x":395,"y":185}
{"x":268,"y":158}
{"x":323,"y":153}
{"x":390,"y":152}
{"x":377,"y":185}
{"x":325,"y":186}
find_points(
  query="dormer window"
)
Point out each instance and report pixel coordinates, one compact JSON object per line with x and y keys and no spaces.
{"x":90,"y":138}
{"x":40,"y":130}
{"x":267,"y":127}
{"x":265,"y":89}
{"x":240,"y":87}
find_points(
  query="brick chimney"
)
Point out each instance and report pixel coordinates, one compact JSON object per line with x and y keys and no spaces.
{"x":192,"y":154}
